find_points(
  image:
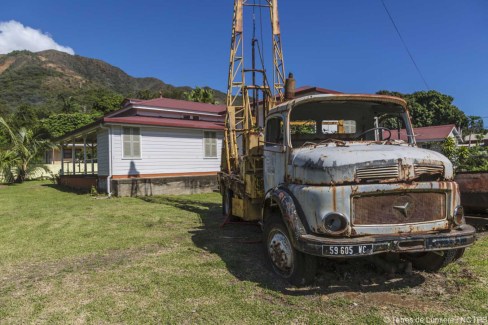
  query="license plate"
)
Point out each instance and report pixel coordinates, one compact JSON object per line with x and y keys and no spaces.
{"x":346,"y":250}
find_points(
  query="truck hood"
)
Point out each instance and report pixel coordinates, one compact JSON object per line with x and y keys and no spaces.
{"x":356,"y":163}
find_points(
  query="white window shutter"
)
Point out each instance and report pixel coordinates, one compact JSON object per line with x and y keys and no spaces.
{"x":131,"y":139}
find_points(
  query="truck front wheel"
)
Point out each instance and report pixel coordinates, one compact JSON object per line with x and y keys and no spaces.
{"x":296,"y":267}
{"x":434,"y":261}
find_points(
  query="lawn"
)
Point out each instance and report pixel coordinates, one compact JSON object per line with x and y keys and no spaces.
{"x":75,"y":258}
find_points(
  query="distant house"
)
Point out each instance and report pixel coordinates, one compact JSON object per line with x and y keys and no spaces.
{"x":148,"y":147}
{"x":475,"y":139}
{"x":430,"y":137}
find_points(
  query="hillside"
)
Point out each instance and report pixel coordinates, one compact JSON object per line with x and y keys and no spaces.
{"x":46,"y":79}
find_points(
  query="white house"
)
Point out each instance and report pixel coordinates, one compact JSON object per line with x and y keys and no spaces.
{"x":148,"y":147}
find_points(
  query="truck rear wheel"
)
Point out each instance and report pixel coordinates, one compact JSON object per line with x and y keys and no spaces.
{"x":434,"y":261}
{"x":296,"y":267}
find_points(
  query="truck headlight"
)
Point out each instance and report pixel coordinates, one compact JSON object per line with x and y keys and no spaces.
{"x":335,"y":223}
{"x":458,"y":217}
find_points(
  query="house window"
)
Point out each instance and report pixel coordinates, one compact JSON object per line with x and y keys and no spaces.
{"x":132,"y":142}
{"x":210,"y":144}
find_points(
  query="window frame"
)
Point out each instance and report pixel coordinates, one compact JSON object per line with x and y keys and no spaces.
{"x":282,"y":126}
{"x":131,"y":141}
{"x":204,"y":142}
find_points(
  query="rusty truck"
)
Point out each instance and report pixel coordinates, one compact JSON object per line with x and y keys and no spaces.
{"x":332,"y":175}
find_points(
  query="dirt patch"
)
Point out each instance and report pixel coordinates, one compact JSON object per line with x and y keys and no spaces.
{"x":8,"y":62}
{"x":35,"y":272}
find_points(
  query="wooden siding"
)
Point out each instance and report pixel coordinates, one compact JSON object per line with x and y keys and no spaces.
{"x":161,"y":175}
{"x":102,"y":152}
{"x":165,"y":150}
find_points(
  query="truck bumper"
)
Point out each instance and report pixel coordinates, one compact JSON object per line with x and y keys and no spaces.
{"x":463,"y":236}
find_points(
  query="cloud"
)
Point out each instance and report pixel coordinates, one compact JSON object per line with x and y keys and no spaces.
{"x":15,"y":36}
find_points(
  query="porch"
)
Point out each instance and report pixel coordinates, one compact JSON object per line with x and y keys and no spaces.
{"x":78,"y":161}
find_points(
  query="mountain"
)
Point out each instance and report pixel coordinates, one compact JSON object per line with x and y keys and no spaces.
{"x":48,"y":79}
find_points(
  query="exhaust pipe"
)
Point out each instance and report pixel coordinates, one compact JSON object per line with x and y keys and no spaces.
{"x":290,"y":87}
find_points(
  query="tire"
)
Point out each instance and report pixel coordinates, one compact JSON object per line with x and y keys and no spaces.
{"x":294,"y":266}
{"x":227,"y":203}
{"x":434,"y":261}
{"x":459,"y":254}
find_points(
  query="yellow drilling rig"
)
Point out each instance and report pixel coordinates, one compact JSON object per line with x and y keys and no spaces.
{"x":241,"y":176}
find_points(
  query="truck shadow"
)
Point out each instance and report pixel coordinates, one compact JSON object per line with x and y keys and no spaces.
{"x":240,"y":247}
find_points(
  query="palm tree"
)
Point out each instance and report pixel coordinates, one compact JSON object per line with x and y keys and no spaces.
{"x":202,"y":95}
{"x":16,"y":161}
{"x":8,"y":161}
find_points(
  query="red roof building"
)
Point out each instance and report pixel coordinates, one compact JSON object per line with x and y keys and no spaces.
{"x":146,"y":143}
{"x":429,"y":137}
{"x":437,"y":133}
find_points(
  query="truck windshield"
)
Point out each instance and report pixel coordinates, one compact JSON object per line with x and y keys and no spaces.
{"x":322,"y":121}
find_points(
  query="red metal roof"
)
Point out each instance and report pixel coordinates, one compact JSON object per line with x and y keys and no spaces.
{"x":169,"y":122}
{"x":182,"y":105}
{"x":427,"y":133}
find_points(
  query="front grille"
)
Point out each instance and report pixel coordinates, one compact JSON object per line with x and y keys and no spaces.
{"x":398,"y":208}
{"x":377,"y":172}
{"x":430,"y":170}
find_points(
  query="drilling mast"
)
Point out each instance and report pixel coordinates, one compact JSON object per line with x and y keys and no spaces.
{"x":241,"y":175}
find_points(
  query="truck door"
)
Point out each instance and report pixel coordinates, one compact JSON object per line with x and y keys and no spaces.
{"x":274,"y":153}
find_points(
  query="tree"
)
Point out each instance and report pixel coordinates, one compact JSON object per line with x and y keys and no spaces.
{"x":24,"y":147}
{"x":69,"y":104}
{"x":466,"y":158}
{"x":476,"y":127}
{"x":24,"y":116}
{"x":431,"y":107}
{"x":107,"y":101}
{"x":57,"y":125}
{"x":145,"y":94}
{"x":175,"y":93}
{"x":202,"y":95}
{"x":8,"y":161}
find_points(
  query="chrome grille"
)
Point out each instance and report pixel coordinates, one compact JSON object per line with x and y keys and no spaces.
{"x":426,"y":169}
{"x":377,"y":172}
{"x":399,"y":208}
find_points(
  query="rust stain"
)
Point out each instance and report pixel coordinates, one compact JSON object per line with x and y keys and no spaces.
{"x":334,"y":198}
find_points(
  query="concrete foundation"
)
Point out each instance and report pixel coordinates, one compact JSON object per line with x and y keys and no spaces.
{"x":164,"y":185}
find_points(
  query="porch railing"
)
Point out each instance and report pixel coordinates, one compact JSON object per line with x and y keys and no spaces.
{"x":78,"y":168}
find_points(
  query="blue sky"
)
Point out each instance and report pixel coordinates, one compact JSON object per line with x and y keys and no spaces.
{"x":346,"y":45}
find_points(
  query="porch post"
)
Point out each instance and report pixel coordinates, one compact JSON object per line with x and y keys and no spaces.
{"x":62,"y":159}
{"x":84,"y":152}
{"x":73,"y":153}
{"x":93,"y":158}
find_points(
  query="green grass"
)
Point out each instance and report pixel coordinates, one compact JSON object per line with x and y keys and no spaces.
{"x":71,"y":258}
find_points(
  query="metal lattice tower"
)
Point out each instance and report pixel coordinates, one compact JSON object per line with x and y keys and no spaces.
{"x":240,"y":118}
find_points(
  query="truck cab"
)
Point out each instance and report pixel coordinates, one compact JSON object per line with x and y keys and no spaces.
{"x":343,"y":178}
